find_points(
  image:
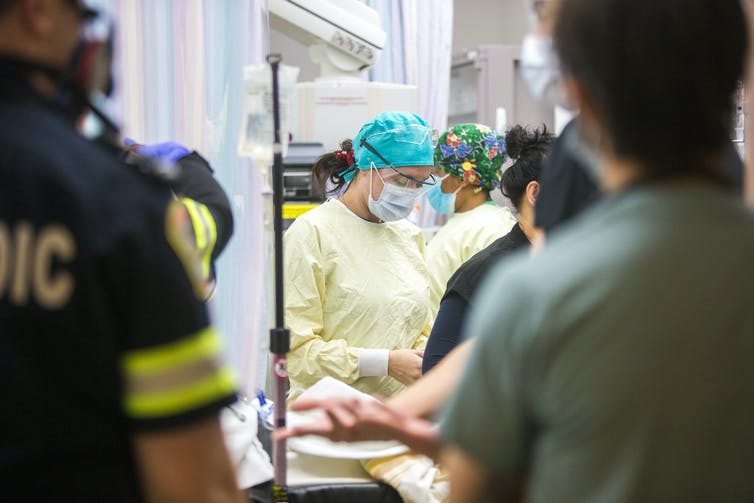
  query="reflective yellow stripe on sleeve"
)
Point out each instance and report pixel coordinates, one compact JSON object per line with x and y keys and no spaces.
{"x":212,"y":238}
{"x":196,"y":220}
{"x":176,"y":377}
{"x":205,"y":231}
{"x":177,"y":401}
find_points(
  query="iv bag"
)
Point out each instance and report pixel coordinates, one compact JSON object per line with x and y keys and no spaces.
{"x":257,"y":128}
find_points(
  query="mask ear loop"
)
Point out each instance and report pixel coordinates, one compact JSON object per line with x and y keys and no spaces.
{"x":371,"y":170}
{"x":424,"y":189}
{"x":464,"y":183}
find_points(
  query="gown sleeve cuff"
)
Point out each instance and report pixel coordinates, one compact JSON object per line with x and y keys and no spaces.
{"x":373,"y":362}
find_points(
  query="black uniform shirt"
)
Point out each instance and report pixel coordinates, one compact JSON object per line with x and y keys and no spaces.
{"x":101,"y":332}
{"x":566,"y":185}
{"x":451,"y":317}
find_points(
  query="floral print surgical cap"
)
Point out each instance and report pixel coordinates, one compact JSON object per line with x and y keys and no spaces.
{"x":472,"y":152}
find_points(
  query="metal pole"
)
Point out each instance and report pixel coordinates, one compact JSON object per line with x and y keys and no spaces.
{"x":749,"y":118}
{"x":279,"y":335}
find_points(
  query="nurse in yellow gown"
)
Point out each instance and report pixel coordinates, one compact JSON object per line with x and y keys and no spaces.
{"x":471,"y":157}
{"x":356,"y":284}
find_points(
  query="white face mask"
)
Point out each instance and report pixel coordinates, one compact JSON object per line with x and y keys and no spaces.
{"x":541,"y":70}
{"x":395,"y":203}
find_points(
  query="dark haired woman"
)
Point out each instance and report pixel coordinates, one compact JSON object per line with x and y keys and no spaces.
{"x":356,"y":295}
{"x":519,"y":184}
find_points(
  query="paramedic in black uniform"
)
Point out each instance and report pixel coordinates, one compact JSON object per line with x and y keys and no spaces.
{"x":109,"y":368}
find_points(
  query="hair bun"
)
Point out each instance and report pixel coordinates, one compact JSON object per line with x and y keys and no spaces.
{"x":518,"y":139}
{"x":528,"y":149}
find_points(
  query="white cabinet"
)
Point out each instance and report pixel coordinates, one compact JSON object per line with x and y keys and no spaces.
{"x":486,"y":87}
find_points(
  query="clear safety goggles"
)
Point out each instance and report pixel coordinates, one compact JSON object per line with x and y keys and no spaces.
{"x":414,"y":134}
{"x":397,"y":178}
{"x":404,"y":181}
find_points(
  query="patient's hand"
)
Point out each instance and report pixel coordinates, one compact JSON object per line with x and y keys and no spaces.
{"x":353,"y":420}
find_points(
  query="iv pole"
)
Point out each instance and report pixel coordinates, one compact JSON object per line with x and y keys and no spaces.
{"x":279,"y":335}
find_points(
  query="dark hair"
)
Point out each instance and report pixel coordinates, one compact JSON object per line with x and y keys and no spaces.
{"x":330,"y":166}
{"x":660,"y":75}
{"x":5,"y":6}
{"x":528,"y":150}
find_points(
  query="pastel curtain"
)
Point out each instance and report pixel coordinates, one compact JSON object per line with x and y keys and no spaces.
{"x":178,"y":71}
{"x":418,"y":52}
{"x":390,"y":67}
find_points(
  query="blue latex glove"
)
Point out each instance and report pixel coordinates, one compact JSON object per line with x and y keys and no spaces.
{"x":168,"y":151}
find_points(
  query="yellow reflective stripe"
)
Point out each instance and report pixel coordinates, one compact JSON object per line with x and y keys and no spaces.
{"x":203,"y":344}
{"x":177,"y":222}
{"x":212,"y":228}
{"x":205,"y":232}
{"x":182,"y":399}
{"x":175,"y":377}
{"x":196,"y":220}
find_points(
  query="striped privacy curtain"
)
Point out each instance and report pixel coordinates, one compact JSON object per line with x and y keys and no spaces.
{"x":178,"y":76}
{"x":418,"y":52}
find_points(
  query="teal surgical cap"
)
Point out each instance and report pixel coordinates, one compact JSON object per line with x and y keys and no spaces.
{"x":402,"y":138}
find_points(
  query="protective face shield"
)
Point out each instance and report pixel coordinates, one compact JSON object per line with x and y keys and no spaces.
{"x":395,"y":202}
{"x":91,"y":77}
{"x":91,"y":64}
{"x":443,"y":203}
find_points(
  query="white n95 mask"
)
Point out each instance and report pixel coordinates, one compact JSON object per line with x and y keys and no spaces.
{"x":395,"y":203}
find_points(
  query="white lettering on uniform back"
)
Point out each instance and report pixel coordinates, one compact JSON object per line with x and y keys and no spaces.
{"x":26,"y":264}
{"x":54,"y":241}
{"x":19,"y":293}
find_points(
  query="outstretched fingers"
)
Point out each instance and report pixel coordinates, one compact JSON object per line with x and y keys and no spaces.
{"x":339,"y":421}
{"x":320,"y":426}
